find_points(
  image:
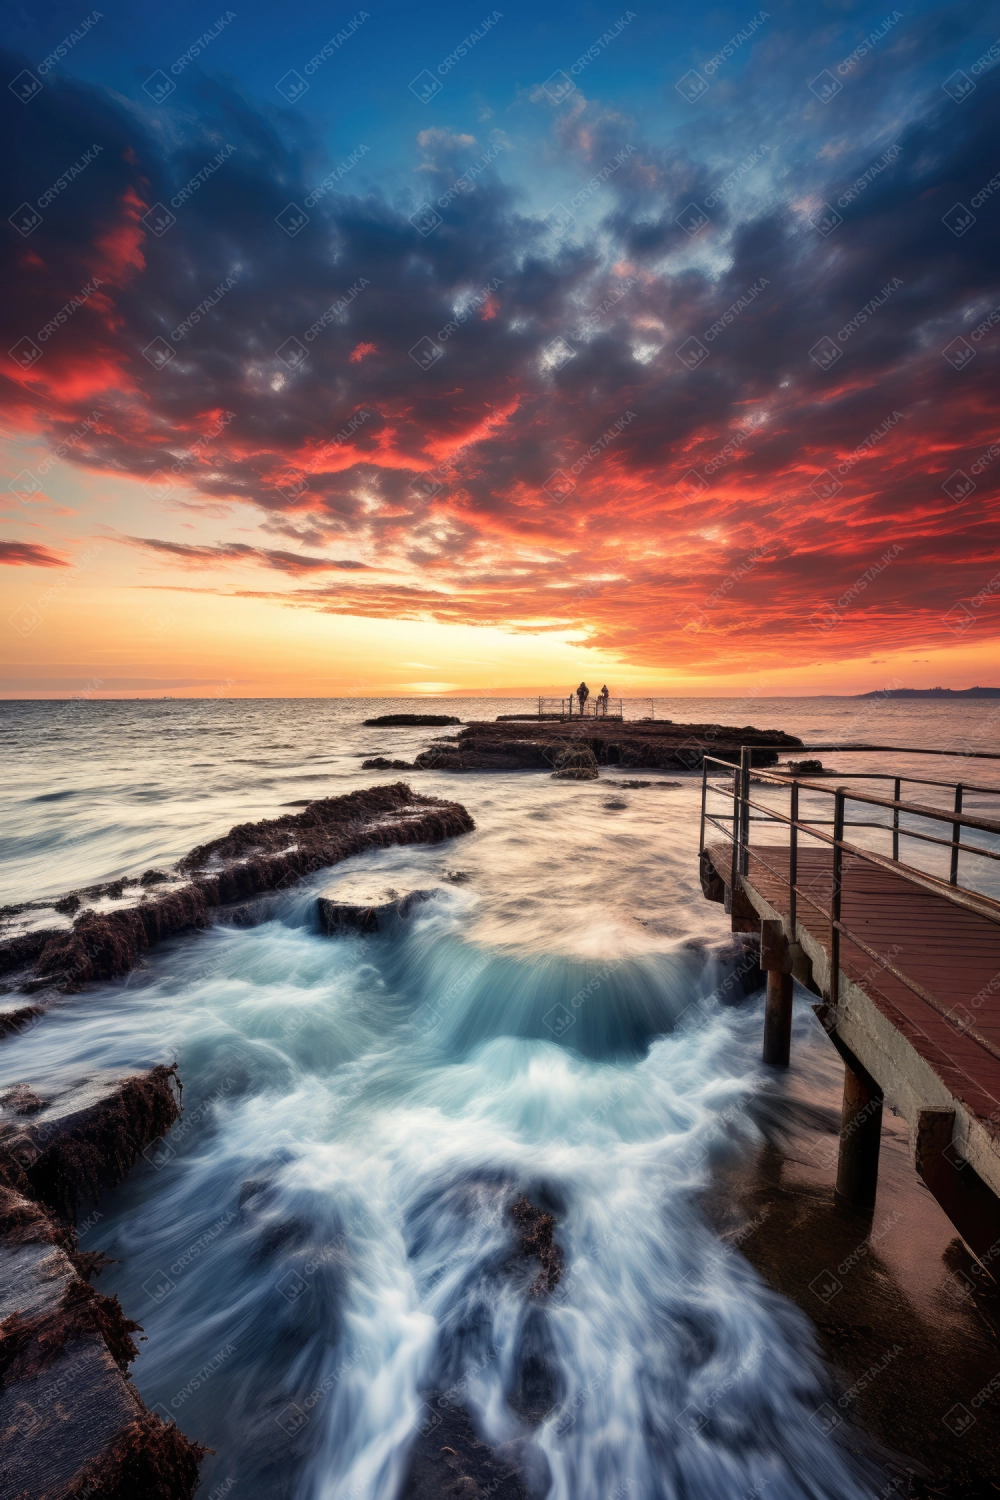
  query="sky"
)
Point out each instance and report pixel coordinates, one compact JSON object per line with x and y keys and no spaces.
{"x":449,"y":349}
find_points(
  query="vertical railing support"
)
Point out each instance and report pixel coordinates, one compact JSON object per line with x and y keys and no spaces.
{"x":896,"y":788}
{"x":835,"y":894}
{"x":736,"y":829}
{"x":793,"y":861}
{"x":704,"y":794}
{"x":745,"y":755}
{"x":956,"y":835}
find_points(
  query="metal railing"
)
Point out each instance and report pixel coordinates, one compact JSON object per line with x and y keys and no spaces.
{"x":595,"y":707}
{"x":746,"y":810}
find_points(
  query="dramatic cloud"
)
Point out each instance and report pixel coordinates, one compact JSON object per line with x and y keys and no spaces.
{"x":735,"y":394}
{"x":29,"y":554}
{"x":284,"y":562}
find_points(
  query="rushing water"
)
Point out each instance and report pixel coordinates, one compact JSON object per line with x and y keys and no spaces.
{"x":321,"y":1252}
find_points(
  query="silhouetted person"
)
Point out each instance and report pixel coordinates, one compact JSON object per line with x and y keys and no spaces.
{"x":604,"y":695}
{"x":583,"y":693}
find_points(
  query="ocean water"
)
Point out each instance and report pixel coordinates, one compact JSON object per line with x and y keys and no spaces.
{"x":321,"y":1252}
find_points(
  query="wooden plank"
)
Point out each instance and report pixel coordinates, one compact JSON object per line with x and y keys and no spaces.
{"x":951,"y":951}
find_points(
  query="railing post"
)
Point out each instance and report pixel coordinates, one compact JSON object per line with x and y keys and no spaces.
{"x":793,"y":860}
{"x":704,"y":794}
{"x":736,"y":828}
{"x":956,"y":834}
{"x":838,"y":872}
{"x":897,"y":786}
{"x":745,"y":754}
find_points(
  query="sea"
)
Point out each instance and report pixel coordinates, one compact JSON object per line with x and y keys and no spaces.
{"x":321,"y":1251}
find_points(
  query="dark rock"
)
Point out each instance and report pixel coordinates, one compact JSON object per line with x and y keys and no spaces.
{"x":806,"y":767}
{"x":67,"y":905}
{"x":253,"y":858}
{"x":537,"y":1230}
{"x":339,"y":917}
{"x":576,"y":773}
{"x":615,"y":804}
{"x":412,"y":719}
{"x":509,"y":746}
{"x":379,"y":763}
{"x":450,"y":1459}
{"x":71,"y":1423}
{"x":153,"y":877}
{"x":65,"y":1149}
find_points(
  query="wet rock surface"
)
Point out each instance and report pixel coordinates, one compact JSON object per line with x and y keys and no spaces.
{"x":71,"y":1422}
{"x":536,"y":1230}
{"x":381,"y":914}
{"x":506,"y":746}
{"x":217,"y":877}
{"x":449,"y":1459}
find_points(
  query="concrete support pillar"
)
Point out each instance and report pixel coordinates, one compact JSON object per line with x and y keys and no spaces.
{"x":776,"y":959}
{"x":860,"y":1137}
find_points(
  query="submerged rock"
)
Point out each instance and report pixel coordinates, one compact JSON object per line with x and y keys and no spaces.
{"x":379,"y":763}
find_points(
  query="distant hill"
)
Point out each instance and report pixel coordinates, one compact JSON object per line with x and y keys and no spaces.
{"x":936,"y":692}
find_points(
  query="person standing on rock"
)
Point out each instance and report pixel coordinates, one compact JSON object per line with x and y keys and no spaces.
{"x":583,"y":693}
{"x":604,"y":695}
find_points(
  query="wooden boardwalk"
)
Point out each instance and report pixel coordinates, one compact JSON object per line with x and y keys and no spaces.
{"x":953,"y":953}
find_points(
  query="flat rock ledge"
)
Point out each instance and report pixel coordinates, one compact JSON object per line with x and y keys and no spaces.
{"x":72,"y":1425}
{"x":381,"y":914}
{"x":506,"y":746}
{"x":217,"y":878}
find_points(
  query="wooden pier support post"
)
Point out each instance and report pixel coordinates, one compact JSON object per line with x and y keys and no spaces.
{"x":860,"y":1138}
{"x":776,"y":959}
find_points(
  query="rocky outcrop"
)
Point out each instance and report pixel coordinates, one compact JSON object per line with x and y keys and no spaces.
{"x":379,"y":763}
{"x":518,"y":746}
{"x":224,"y":875}
{"x":71,"y":1422}
{"x":68,"y":1147}
{"x":575,"y":763}
{"x":338,"y":918}
{"x":536,"y":1230}
{"x":407,"y":720}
